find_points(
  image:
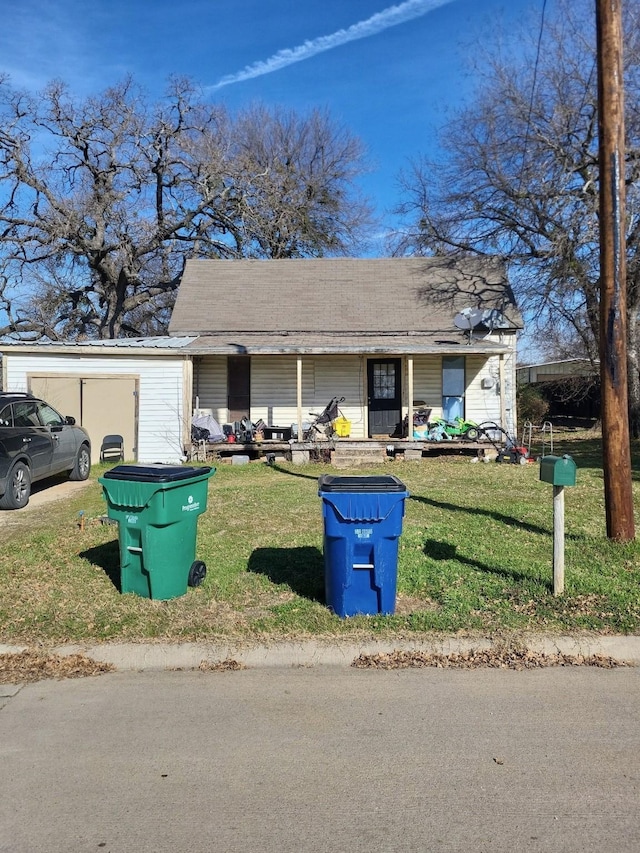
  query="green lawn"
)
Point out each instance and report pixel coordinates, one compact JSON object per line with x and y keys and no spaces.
{"x":475,"y":556}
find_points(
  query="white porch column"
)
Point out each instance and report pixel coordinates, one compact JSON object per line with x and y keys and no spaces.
{"x":299,"y":394}
{"x":503,"y":410}
{"x":187,"y":401}
{"x":410,"y":391}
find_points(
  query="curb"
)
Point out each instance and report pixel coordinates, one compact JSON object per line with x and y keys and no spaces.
{"x":143,"y":657}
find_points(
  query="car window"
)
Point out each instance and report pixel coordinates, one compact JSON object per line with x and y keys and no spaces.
{"x":49,"y":416}
{"x":5,"y":416}
{"x":25,"y":415}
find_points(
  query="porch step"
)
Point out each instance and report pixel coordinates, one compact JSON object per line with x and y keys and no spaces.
{"x":350,"y":457}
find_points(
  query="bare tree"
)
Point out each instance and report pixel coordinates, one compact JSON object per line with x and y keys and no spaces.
{"x":520,"y":179}
{"x":295,"y":185}
{"x":102,"y":200}
{"x":99,"y":201}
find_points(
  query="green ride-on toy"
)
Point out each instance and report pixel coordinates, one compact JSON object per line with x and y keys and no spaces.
{"x":457,"y":428}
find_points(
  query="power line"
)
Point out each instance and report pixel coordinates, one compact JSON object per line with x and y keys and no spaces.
{"x":533,"y":90}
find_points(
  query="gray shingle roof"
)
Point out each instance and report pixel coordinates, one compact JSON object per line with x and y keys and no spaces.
{"x":349,"y":296}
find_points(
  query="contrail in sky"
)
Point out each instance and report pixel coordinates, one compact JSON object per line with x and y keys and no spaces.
{"x":390,"y":17}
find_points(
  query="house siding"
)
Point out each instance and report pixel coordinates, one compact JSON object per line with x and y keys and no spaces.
{"x":160,"y":403}
{"x":427,"y":383}
{"x":342,"y":376}
{"x":273,"y":387}
{"x":210,"y":385}
{"x":482,"y":404}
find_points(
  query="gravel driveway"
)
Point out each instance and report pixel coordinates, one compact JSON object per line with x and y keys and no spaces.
{"x":45,"y":492}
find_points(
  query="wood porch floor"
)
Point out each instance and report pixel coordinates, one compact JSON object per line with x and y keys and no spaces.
{"x":339,"y":451}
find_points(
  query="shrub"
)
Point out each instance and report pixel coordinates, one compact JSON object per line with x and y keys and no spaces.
{"x":531,"y":405}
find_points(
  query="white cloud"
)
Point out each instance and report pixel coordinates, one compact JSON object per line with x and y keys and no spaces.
{"x":390,"y":17}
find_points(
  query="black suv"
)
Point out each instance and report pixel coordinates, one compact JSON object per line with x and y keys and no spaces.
{"x":37,"y":442}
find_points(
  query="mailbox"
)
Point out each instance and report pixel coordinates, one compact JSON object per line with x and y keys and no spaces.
{"x":558,"y":470}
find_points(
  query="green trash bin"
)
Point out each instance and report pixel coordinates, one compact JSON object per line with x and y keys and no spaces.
{"x":157,"y":508}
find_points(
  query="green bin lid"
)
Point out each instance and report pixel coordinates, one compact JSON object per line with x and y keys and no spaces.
{"x":155,"y":473}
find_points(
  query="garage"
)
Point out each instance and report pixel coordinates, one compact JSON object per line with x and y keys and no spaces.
{"x":137,"y":388}
{"x":103,"y":405}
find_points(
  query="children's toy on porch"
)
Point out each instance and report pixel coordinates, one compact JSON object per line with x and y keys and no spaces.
{"x":421,"y":417}
{"x":322,"y":426}
{"x":444,"y":430}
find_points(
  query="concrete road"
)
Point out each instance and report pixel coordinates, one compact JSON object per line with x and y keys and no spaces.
{"x":323,"y":759}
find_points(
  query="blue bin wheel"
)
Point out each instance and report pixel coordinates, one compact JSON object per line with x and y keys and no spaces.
{"x":197,"y":573}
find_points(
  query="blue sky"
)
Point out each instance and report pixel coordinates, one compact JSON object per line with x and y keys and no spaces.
{"x":390,"y":72}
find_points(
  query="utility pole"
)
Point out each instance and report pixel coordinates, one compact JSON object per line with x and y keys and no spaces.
{"x":616,"y":449}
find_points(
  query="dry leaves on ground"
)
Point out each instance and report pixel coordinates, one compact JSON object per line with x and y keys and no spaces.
{"x":228,"y":665}
{"x":477,"y":658}
{"x":31,"y":666}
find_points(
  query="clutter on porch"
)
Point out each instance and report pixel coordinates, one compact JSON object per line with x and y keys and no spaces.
{"x":205,"y":431}
{"x":325,"y":437}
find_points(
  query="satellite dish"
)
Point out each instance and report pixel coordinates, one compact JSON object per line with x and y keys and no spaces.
{"x":463,"y":321}
{"x":494,"y":319}
{"x":476,"y":316}
{"x":468,"y":319}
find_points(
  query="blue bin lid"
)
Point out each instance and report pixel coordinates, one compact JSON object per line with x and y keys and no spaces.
{"x":375,"y":483}
{"x":155,"y":473}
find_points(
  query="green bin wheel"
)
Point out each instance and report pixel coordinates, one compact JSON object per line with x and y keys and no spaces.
{"x":197,"y":573}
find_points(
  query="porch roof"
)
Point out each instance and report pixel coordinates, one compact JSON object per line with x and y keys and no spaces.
{"x":252,"y":343}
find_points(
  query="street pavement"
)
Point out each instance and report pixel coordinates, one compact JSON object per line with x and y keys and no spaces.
{"x":323,"y":758}
{"x":300,"y":752}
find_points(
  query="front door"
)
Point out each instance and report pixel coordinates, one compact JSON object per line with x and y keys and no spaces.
{"x":239,"y":387}
{"x":384,"y":395}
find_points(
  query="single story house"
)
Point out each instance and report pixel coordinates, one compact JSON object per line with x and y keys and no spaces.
{"x":276,"y":340}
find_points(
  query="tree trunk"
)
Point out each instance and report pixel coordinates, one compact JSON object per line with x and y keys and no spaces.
{"x":633,"y":377}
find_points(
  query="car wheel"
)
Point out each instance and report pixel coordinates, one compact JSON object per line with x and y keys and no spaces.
{"x":472,"y":434}
{"x":18,"y":488}
{"x":82,"y":467}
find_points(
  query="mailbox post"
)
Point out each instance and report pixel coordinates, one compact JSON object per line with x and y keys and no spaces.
{"x":560,"y":471}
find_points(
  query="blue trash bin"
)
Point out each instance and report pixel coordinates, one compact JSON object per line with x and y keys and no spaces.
{"x":362,"y":525}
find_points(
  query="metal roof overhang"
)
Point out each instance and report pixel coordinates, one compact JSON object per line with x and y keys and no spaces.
{"x":155,"y":346}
